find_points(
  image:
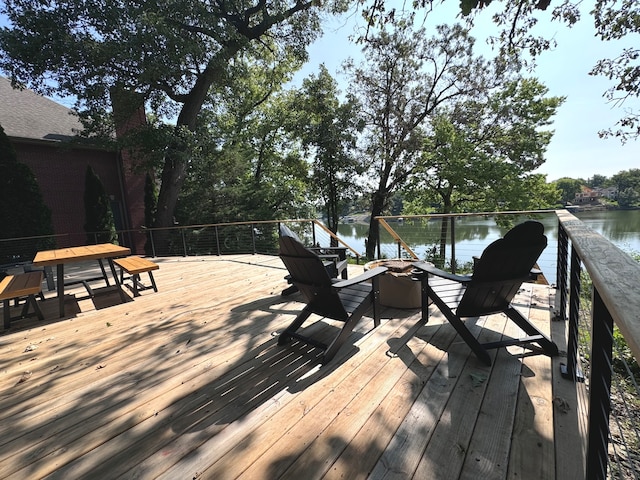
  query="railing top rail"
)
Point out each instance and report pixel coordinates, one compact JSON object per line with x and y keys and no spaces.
{"x":475,"y":214}
{"x":35,"y":237}
{"x":614,"y":273}
{"x":338,"y":239}
{"x":396,"y":237}
{"x":228,"y":224}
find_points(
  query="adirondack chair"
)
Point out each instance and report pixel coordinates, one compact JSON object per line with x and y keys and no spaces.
{"x":497,"y":276}
{"x":334,"y":259}
{"x":336,"y":299}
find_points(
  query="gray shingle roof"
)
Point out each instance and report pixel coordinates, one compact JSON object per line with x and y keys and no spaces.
{"x":25,"y":114}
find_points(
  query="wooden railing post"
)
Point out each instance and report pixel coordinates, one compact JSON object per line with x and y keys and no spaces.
{"x":378,"y":237}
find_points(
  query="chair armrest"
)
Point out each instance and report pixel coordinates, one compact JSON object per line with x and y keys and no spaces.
{"x":428,"y":268}
{"x":369,"y":274}
{"x":333,"y":258}
{"x":341,"y":252}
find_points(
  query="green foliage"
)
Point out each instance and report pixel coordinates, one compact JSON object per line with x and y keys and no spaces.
{"x":519,"y":39}
{"x":328,"y":131}
{"x":628,"y":184}
{"x":248,"y":165}
{"x":568,"y":187}
{"x":99,"y":223}
{"x":174,"y":53}
{"x":22,"y":209}
{"x":629,"y":197}
{"x":480,"y":155}
{"x":406,"y":78}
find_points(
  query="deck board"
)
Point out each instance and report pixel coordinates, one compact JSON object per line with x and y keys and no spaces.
{"x":189,"y":382}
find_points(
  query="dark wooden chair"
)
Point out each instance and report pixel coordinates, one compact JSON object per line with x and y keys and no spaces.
{"x":336,"y":299}
{"x":334,"y":259}
{"x":497,"y":276}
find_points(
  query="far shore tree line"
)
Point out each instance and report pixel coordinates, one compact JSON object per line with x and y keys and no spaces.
{"x":424,"y":117}
{"x":626,"y":184}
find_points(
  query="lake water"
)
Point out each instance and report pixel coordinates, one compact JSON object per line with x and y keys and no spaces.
{"x":621,"y":227}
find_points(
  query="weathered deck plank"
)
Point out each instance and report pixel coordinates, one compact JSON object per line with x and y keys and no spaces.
{"x":189,"y":382}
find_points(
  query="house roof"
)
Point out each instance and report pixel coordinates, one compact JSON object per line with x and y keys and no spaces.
{"x":28,"y":115}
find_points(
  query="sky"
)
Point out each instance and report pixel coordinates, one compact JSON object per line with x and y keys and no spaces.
{"x":576,"y":150}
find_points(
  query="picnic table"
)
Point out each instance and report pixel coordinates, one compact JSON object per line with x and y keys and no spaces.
{"x":61,"y":256}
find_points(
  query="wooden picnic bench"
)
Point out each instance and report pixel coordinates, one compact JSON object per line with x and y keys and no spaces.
{"x":134,"y":266}
{"x":21,"y":285}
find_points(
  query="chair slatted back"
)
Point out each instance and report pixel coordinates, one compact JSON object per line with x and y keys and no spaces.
{"x":500,"y":271}
{"x":310,"y":275}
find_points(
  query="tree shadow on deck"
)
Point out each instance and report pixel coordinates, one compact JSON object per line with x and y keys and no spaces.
{"x":155,"y":390}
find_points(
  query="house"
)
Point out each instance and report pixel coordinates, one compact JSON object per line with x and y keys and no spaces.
{"x":44,"y":135}
{"x":592,"y":195}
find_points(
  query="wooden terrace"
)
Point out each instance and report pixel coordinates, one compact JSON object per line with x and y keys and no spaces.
{"x":190,"y":383}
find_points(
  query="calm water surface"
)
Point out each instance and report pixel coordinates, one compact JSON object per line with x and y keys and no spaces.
{"x":621,"y":227}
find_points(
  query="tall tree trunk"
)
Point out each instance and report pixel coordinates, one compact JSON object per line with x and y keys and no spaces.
{"x":175,"y":167}
{"x":377,"y":207}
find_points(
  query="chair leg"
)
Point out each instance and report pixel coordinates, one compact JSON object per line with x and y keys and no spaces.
{"x":346,"y":330}
{"x":548,"y":346}
{"x":285,"y":336}
{"x":375,"y":292}
{"x":460,"y":327}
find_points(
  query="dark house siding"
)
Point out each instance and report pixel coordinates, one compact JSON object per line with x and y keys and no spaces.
{"x":61,"y":174}
{"x":42,"y":133}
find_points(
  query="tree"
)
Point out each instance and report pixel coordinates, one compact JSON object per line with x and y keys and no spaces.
{"x":627,"y":179}
{"x":628,"y":184}
{"x":569,"y":188}
{"x":249,"y":165}
{"x":23,"y":212}
{"x":172,"y":53}
{"x":328,"y":130}
{"x":99,"y":223}
{"x":629,"y":197}
{"x":406,"y":78}
{"x":481,"y":155}
{"x":515,"y":22}
{"x":597,"y":181}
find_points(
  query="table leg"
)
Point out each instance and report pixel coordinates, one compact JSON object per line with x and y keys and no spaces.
{"x":104,"y":273}
{"x":60,"y":272}
{"x":115,"y":279}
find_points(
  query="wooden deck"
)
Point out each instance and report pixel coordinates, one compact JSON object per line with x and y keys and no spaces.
{"x":189,"y":383}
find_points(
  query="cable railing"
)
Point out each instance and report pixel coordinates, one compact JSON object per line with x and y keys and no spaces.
{"x":597,"y":294}
{"x":250,"y":237}
{"x":603,"y":347}
{"x":440,"y":239}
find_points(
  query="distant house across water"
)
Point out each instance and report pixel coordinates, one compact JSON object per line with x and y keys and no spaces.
{"x":592,"y":195}
{"x":44,"y":135}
